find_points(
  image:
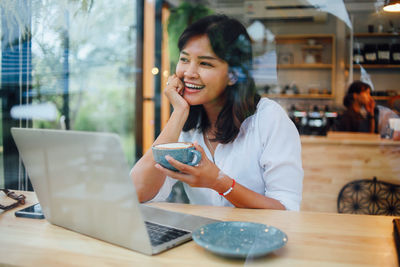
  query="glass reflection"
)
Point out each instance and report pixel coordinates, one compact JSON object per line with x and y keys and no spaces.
{"x":306,"y":54}
{"x":79,"y":57}
{"x":68,"y":65}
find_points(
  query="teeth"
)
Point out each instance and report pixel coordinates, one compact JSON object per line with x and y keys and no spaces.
{"x":192,"y":86}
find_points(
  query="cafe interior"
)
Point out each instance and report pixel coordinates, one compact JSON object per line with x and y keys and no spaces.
{"x":101,"y":66}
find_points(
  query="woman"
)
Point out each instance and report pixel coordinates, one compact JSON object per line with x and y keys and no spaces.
{"x":251,"y":153}
{"x":362,"y":114}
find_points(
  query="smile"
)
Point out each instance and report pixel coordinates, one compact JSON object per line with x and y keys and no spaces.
{"x":194,"y":86}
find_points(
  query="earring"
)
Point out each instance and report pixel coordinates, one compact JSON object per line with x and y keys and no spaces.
{"x":232,"y":78}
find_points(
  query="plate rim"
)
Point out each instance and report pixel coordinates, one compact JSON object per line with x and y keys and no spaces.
{"x":235,"y":254}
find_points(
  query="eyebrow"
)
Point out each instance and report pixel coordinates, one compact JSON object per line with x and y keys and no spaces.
{"x":201,"y":57}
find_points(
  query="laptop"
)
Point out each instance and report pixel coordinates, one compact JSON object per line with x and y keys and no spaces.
{"x":83,"y":184}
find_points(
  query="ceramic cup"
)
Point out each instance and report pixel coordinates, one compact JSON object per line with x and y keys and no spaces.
{"x":181,"y":151}
{"x":394,"y":124}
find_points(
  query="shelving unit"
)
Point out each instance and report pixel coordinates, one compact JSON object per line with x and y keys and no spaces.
{"x":305,"y":66}
{"x":317,"y":72}
{"x":375,"y":66}
{"x":381,"y":97}
{"x":300,"y":96}
{"x":380,"y":74}
{"x":296,"y":66}
{"x":376,"y":34}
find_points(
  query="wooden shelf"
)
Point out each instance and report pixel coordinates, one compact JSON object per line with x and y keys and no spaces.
{"x":297,"y":44}
{"x":376,"y":34}
{"x":375,"y":66}
{"x":305,"y":66}
{"x":315,"y":96}
{"x":295,"y":66}
{"x":381,"y":97}
{"x":302,"y":38}
{"x":312,"y":47}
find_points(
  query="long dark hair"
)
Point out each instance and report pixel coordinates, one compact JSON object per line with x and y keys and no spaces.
{"x":356,"y":87}
{"x":230,"y":42}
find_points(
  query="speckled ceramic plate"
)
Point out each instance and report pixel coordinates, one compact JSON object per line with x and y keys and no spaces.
{"x":239,"y":239}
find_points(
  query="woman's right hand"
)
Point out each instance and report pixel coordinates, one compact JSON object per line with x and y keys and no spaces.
{"x":370,"y":106}
{"x":174,"y":92}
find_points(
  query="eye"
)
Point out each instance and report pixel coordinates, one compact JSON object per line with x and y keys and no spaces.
{"x":183,"y":59}
{"x":206,"y":64}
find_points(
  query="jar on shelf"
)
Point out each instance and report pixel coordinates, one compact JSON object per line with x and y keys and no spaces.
{"x":395,"y":54}
{"x":358,"y":57}
{"x":370,"y":54}
{"x":312,"y":52}
{"x":383,"y":53}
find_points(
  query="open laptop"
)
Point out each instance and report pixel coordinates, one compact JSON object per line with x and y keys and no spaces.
{"x":82,"y":182}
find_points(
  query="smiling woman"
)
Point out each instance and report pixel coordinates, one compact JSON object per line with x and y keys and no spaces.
{"x":204,"y":75}
{"x":250,"y":150}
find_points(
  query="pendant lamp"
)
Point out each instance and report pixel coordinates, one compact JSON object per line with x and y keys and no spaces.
{"x":392,"y":6}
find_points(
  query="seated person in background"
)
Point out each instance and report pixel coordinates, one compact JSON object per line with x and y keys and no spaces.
{"x":394,"y":104}
{"x":362,"y":114}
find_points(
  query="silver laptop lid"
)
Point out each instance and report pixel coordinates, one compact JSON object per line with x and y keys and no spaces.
{"x":82,"y":182}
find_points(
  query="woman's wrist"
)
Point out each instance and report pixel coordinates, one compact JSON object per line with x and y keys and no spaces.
{"x":181,"y":112}
{"x":179,"y":116}
{"x":223,"y":184}
{"x":173,"y":128}
{"x":227,"y":192}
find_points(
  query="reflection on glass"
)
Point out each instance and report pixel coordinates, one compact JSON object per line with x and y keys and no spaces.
{"x":318,"y":48}
{"x":80,"y":61}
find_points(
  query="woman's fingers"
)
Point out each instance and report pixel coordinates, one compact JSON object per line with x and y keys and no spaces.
{"x":184,"y":168}
{"x":200,"y":149}
{"x":204,"y":158}
{"x":202,"y":175}
{"x":181,"y":88}
{"x":186,"y":178}
{"x":174,"y":92}
{"x":179,"y":85}
{"x":175,"y":83}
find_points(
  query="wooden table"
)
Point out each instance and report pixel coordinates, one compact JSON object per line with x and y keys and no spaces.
{"x":315,"y":239}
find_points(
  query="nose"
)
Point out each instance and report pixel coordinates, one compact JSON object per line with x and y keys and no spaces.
{"x":191,"y":71}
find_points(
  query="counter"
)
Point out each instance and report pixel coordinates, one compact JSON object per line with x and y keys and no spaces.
{"x":331,"y":161}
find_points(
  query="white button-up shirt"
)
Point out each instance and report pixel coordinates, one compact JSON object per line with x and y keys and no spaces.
{"x":265,"y":157}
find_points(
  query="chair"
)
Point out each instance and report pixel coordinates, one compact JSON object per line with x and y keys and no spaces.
{"x":369,"y":196}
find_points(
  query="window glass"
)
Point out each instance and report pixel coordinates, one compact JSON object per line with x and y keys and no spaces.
{"x":71,"y":67}
{"x":306,"y":55}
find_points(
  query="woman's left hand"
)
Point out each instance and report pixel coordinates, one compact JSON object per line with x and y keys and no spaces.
{"x":205,"y":174}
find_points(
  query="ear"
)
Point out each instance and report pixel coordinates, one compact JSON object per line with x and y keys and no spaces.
{"x":232,"y":78}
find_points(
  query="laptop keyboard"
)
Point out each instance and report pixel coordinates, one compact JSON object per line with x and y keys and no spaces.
{"x":160,"y":234}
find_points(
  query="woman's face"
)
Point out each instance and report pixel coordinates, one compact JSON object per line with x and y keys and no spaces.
{"x":364,"y":97}
{"x":204,"y":75}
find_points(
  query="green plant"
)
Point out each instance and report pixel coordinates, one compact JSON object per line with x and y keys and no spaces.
{"x":180,"y":17}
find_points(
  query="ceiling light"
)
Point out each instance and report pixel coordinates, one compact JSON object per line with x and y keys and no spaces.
{"x":392,"y":6}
